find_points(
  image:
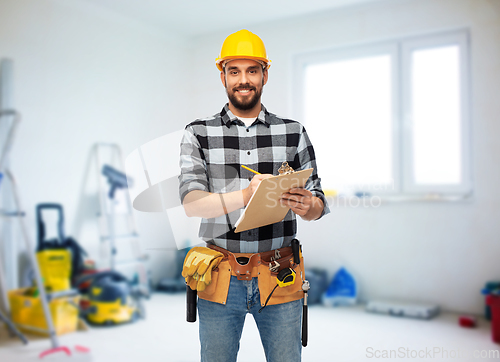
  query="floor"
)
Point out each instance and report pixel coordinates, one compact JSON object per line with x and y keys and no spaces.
{"x":341,"y":334}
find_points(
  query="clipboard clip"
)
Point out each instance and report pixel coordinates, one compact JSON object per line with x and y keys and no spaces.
{"x":285,"y":169}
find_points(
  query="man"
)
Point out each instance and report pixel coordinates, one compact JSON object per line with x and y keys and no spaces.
{"x":213,"y":186}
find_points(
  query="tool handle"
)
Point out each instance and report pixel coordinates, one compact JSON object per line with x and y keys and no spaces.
{"x":304,"y":325}
{"x":41,"y":225}
{"x":191,"y":296}
{"x":295,"y":250}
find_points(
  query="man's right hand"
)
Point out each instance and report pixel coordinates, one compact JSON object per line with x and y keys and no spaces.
{"x":208,"y":205}
{"x":248,"y":192}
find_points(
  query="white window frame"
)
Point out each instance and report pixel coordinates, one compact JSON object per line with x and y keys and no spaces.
{"x":400,"y":51}
{"x":461,"y":39}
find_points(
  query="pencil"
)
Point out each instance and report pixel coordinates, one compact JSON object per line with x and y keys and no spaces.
{"x":249,"y":169}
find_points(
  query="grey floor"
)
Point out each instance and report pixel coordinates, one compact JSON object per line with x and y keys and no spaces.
{"x":342,"y":334}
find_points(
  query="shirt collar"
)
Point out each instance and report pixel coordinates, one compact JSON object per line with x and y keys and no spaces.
{"x":228,"y":117}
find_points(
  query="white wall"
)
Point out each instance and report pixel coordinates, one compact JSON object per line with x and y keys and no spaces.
{"x":83,"y":75}
{"x":432,"y":252}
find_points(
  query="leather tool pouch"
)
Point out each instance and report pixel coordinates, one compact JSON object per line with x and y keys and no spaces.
{"x":221,"y":276}
{"x":218,"y":288}
{"x":257,"y":266}
{"x":267,"y":278}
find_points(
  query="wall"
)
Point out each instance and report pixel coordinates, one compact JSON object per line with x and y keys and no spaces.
{"x":421,"y":251}
{"x":83,"y":75}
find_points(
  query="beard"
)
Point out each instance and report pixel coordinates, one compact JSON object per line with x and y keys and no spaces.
{"x":244,"y":103}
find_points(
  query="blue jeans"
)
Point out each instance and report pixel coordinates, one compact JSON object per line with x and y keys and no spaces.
{"x":221,"y":325}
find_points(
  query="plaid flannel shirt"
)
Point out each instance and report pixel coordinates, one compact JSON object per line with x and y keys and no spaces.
{"x":212,"y":152}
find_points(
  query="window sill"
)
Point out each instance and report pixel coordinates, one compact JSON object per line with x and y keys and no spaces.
{"x":378,"y":200}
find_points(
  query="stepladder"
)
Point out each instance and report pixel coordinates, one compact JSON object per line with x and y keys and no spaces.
{"x":121,"y":247}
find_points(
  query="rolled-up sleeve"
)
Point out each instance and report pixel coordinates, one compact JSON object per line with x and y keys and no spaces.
{"x":193,"y":166}
{"x":307,"y":159}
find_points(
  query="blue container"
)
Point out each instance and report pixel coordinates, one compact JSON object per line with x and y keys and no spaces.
{"x":342,"y":290}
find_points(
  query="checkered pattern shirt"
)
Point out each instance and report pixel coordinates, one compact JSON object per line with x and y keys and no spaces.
{"x":212,"y":152}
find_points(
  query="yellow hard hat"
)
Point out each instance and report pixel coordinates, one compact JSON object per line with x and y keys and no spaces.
{"x":243,"y":45}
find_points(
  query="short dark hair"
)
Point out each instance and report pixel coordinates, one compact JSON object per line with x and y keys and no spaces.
{"x":264,"y":66}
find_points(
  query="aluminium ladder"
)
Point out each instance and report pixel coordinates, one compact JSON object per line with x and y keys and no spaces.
{"x":4,"y":171}
{"x":108,"y":218}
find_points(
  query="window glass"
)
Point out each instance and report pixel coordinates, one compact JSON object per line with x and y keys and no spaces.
{"x":348,"y":115}
{"x":436,"y":119}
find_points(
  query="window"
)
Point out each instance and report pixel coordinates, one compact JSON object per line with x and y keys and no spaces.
{"x":389,"y":118}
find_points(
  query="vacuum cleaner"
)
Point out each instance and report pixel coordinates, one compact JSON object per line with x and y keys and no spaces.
{"x":112,"y":299}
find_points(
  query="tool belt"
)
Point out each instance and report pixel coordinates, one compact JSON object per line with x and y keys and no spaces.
{"x":264,"y":266}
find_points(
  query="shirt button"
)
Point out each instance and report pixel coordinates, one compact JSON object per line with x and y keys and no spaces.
{"x":248,"y":152}
{"x":248,"y":130}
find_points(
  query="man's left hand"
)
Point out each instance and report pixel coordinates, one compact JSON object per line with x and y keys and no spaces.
{"x":303,"y":203}
{"x":297,"y":199}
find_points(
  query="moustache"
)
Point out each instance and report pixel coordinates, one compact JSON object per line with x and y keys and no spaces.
{"x":243,"y":88}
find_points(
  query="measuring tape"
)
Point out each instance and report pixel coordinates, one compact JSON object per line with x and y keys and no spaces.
{"x":286,"y":277}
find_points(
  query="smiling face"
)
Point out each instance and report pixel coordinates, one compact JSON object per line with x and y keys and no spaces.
{"x":244,"y":81}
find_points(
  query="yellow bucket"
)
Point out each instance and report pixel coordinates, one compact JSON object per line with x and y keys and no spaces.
{"x":27,"y":312}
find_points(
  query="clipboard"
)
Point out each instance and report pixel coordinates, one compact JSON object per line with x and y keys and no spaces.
{"x":264,"y":207}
